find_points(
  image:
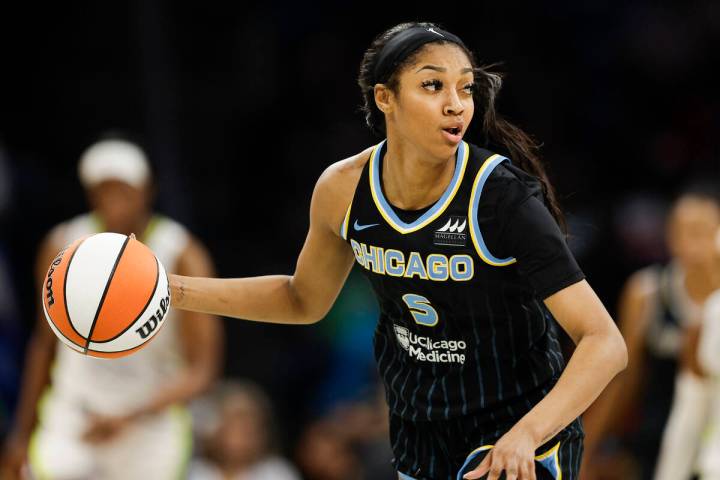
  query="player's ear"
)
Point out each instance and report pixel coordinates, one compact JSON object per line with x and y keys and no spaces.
{"x":383,"y":98}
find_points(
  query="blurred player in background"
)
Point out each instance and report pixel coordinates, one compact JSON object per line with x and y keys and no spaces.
{"x":87,"y":418}
{"x":241,"y":444}
{"x":660,"y":306}
{"x":708,"y":360}
{"x":689,"y":437}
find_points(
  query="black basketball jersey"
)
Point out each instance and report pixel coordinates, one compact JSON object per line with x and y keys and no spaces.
{"x":461,"y":330}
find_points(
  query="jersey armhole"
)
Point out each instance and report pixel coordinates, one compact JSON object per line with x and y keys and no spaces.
{"x":344,"y":227}
{"x":480,"y":247}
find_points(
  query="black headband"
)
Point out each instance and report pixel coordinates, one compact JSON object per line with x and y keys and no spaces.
{"x":399,"y":47}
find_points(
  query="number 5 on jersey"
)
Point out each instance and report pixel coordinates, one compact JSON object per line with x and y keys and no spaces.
{"x":421,"y":310}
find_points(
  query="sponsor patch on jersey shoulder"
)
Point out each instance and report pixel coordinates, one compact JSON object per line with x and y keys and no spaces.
{"x":452,"y":233}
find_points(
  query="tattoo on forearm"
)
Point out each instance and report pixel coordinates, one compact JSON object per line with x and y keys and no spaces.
{"x":181,"y":292}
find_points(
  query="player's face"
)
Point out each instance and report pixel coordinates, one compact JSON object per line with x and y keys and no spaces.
{"x":241,"y":435}
{"x":434,"y":105}
{"x":119,"y":205}
{"x":693,"y":230}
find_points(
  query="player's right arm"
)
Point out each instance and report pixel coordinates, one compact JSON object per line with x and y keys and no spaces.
{"x":39,"y":354}
{"x":322,"y":267}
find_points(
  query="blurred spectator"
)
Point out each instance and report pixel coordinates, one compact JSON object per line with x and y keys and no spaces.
{"x":659,"y":305}
{"x":325,"y":453}
{"x":241,"y":443}
{"x":120,"y":418}
{"x":353,"y":438}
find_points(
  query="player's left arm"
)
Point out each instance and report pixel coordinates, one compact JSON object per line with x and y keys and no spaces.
{"x":600,"y":354}
{"x":533,"y":238}
{"x":199,"y":337}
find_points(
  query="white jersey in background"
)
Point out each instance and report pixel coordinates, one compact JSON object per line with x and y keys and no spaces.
{"x":709,"y":359}
{"x":155,"y":447}
{"x":684,"y":438}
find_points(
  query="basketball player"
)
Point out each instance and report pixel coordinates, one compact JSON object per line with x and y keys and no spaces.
{"x":119,"y":419}
{"x":689,"y":441}
{"x":660,"y":305}
{"x":469,"y":267}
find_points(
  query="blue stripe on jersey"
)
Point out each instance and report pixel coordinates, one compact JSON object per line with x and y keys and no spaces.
{"x":475,"y":233}
{"x":402,"y":394}
{"x":531,"y":340}
{"x":445,"y":394}
{"x":413,"y":401}
{"x":430,"y":392}
{"x":479,"y":367}
{"x":551,"y":461}
{"x":461,"y":160}
{"x":511,"y":332}
{"x":496,"y":358}
{"x":462,"y":395}
{"x":470,"y":458}
{"x":344,"y":227}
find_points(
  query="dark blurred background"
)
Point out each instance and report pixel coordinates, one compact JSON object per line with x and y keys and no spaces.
{"x":241,"y":106}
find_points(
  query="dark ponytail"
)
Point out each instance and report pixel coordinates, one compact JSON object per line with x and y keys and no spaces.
{"x":521,"y":148}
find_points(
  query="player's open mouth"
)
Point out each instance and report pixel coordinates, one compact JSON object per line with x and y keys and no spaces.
{"x":453,"y":134}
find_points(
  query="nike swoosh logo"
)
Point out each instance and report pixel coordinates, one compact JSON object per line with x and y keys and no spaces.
{"x":359,"y":227}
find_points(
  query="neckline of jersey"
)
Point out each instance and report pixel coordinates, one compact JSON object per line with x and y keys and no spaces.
{"x":143,"y":237}
{"x":387,"y":211}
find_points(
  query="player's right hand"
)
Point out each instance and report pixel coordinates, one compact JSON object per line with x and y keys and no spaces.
{"x":513,"y":455}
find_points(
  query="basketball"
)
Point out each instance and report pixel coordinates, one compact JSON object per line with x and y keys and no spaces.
{"x":106,"y":295}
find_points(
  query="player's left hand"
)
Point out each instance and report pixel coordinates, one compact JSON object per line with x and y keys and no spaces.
{"x":103,"y":429}
{"x":513,"y":454}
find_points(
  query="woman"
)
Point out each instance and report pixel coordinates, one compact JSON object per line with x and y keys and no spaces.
{"x":84,"y":417}
{"x":241,"y":444}
{"x":467,"y":350}
{"x":659,"y":314}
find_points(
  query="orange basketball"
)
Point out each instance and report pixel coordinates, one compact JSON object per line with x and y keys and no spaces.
{"x":106,"y":295}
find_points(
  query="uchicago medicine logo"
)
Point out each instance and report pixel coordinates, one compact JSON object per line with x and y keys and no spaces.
{"x":425,"y":349}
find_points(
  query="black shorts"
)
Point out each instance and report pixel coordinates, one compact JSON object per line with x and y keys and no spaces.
{"x":448,"y":449}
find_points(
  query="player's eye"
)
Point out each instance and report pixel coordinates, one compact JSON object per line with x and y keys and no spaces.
{"x":470,"y":88}
{"x":432,"y":85}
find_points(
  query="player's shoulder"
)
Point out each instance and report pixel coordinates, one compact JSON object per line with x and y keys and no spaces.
{"x":501,"y":183}
{"x":346,"y":172}
{"x":337,"y":183}
{"x":644,"y":283}
{"x":335,"y":188}
{"x":69,"y":230}
{"x":712,"y":305}
{"x":167,"y":228}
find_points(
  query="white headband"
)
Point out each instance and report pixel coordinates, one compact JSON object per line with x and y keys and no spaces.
{"x":114,"y":160}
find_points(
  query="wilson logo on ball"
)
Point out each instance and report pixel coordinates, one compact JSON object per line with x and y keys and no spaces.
{"x":106,"y":295}
{"x":156,"y":319}
{"x":49,"y":281}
